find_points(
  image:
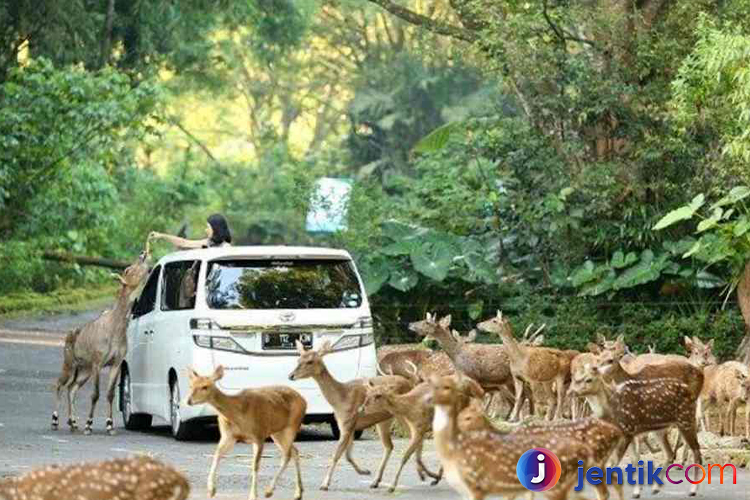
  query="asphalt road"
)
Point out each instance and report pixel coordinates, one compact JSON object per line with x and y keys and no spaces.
{"x":29,"y":363}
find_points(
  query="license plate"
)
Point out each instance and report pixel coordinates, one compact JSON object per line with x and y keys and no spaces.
{"x":286,"y":341}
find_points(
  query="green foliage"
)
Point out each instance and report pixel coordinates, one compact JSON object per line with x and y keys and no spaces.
{"x":50,"y":300}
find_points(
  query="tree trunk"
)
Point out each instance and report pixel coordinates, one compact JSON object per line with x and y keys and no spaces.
{"x":85,"y":261}
{"x":106,"y":42}
{"x":743,"y":298}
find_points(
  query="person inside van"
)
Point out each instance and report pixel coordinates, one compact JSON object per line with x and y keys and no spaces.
{"x":217,"y":235}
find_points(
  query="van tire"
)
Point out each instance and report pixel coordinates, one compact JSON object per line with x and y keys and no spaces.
{"x":181,"y":430}
{"x":337,"y":432}
{"x":131,"y":421}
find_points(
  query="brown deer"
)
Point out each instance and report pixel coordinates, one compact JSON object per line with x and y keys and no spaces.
{"x":479,"y":464}
{"x":99,"y":344}
{"x":413,"y":409}
{"x":640,"y":406}
{"x":487,"y":364}
{"x":137,"y":478}
{"x":347,"y":399}
{"x":402,"y":362}
{"x":531,"y":364}
{"x":252,"y":416}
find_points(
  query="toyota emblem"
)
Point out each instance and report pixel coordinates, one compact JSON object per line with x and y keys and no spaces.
{"x":287,"y":317}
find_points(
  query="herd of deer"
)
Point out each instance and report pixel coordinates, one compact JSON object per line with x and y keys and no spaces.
{"x":445,"y":392}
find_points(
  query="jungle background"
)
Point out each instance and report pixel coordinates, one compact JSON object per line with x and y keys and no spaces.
{"x":577,"y":163}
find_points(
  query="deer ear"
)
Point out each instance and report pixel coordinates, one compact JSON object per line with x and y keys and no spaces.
{"x":592,"y":348}
{"x":620,"y":339}
{"x":472,"y":336}
{"x":539,"y":340}
{"x":428,"y":317}
{"x":192,"y":375}
{"x":499,"y":314}
{"x":600,"y":339}
{"x":370,"y":384}
{"x":300,"y":346}
{"x":711,"y":343}
{"x":688,"y":342}
{"x":218,"y":373}
{"x":445,"y":322}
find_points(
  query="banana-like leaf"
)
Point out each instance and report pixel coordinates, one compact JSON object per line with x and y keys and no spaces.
{"x":682,"y":213}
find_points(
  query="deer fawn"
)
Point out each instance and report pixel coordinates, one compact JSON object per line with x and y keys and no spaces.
{"x":347,"y":398}
{"x":640,"y":406}
{"x":480,"y":464}
{"x":531,"y":364}
{"x":487,"y":364}
{"x":417,"y":413}
{"x":252,"y":416}
{"x":137,"y":478}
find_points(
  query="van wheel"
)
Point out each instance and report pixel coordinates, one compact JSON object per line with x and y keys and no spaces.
{"x":181,"y":430}
{"x":132,"y":422}
{"x":337,"y":432}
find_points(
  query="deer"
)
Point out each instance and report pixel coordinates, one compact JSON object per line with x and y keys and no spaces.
{"x":577,"y":367}
{"x":401,"y":362}
{"x":347,"y":399}
{"x":487,"y":364}
{"x":531,"y":364}
{"x":479,"y":464}
{"x":417,"y":413}
{"x":252,"y":416}
{"x":724,"y":384}
{"x":640,"y":406}
{"x":136,"y":478}
{"x":99,"y":344}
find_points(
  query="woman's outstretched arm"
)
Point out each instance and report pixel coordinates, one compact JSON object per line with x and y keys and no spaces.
{"x":177,"y":241}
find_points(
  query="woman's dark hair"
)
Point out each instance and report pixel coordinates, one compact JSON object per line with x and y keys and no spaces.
{"x":220,"y":229}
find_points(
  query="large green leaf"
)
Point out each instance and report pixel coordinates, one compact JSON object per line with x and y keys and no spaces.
{"x":710,"y":222}
{"x":433,"y":258}
{"x":374,"y":273}
{"x":397,"y":230}
{"x":400,"y":247}
{"x":682,"y":213}
{"x":648,"y":269}
{"x":736,"y":194}
{"x":438,"y":138}
{"x":599,"y":287}
{"x":584,"y":274}
{"x":620,"y":260}
{"x":403,"y":280}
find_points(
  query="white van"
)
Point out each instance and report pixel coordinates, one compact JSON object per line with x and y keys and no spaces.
{"x":243,"y":308}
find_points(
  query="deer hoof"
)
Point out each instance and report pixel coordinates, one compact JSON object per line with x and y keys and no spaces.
{"x":268,"y":493}
{"x":391,"y":489}
{"x":87,"y":431}
{"x":434,"y":482}
{"x":323,"y":487}
{"x":211,"y":490}
{"x":111,"y":432}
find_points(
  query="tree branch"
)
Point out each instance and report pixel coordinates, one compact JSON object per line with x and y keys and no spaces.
{"x":430,"y":24}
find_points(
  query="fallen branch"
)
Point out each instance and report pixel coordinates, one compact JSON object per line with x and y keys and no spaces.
{"x":85,"y":261}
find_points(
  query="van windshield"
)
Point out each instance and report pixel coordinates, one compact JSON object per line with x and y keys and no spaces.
{"x":282,"y":284}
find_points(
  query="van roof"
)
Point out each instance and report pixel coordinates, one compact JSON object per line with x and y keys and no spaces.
{"x":258,"y":252}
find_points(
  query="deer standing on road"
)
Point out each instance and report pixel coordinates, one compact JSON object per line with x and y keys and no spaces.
{"x":347,"y":399}
{"x":99,"y":344}
{"x":252,"y":416}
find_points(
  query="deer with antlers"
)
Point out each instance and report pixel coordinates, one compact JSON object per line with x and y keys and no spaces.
{"x":137,"y":478}
{"x":487,"y":364}
{"x":531,"y":364}
{"x":347,"y":398}
{"x":252,"y":416}
{"x":99,"y":344}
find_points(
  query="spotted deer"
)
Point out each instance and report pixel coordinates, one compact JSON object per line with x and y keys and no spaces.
{"x":724,"y":385}
{"x":487,"y":364}
{"x":99,"y":344}
{"x":252,"y":416}
{"x":347,"y":399}
{"x":529,"y":364}
{"x":641,"y":406}
{"x":137,"y":478}
{"x":480,"y":463}
{"x":413,"y":409}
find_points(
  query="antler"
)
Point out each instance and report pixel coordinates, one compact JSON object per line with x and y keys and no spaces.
{"x":414,"y":369}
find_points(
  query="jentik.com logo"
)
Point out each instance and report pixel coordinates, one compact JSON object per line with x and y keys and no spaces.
{"x":538,"y":469}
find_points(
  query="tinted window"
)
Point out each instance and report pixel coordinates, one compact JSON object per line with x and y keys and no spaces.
{"x":147,"y":300}
{"x":290,"y":284}
{"x":179,"y":283}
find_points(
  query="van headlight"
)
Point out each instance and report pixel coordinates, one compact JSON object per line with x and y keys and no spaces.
{"x":347,"y":342}
{"x":218,"y":343}
{"x":367,"y":339}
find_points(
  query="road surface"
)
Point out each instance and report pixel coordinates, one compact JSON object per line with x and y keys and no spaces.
{"x":30,"y":357}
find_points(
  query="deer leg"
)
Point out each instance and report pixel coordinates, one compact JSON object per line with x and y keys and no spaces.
{"x":414,"y":444}
{"x":560,"y":386}
{"x":285,"y":446}
{"x":384,"y":431}
{"x":747,"y":419}
{"x":63,"y":380}
{"x":701,"y":415}
{"x":226,"y":443}
{"x":94,"y":400}
{"x":114,"y":376}
{"x":669,"y":454}
{"x":732,"y":416}
{"x":350,"y":458}
{"x":515,"y":414}
{"x":435,"y":476}
{"x":82,"y":376}
{"x":691,"y":439}
{"x":346,"y":434}
{"x":257,"y":453}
